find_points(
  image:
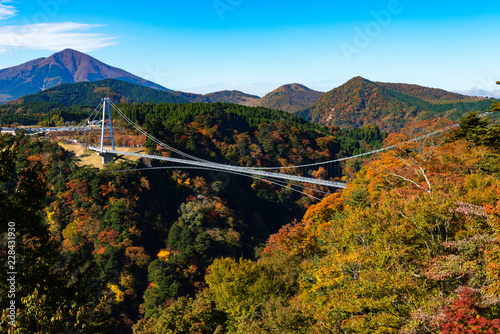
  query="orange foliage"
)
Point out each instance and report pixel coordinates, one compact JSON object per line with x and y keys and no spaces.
{"x":326,"y":209}
{"x":297,"y":239}
{"x":108,"y":235}
{"x":417,"y":167}
{"x":107,"y":189}
{"x":321,"y":173}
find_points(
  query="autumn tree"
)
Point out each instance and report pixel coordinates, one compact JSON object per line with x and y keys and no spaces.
{"x":50,"y":297}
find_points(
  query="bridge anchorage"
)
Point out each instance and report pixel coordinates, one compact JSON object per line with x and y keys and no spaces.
{"x":194,"y":162}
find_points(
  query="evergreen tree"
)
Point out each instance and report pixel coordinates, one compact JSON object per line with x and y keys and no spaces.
{"x":49,"y":297}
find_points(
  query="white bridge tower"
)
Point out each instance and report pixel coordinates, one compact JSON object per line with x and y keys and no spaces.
{"x":106,"y":113}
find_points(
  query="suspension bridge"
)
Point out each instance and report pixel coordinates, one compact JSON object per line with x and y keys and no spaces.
{"x":188,"y":160}
{"x":267,"y":173}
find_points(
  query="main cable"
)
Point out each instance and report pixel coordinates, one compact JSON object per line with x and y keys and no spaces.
{"x":372,"y":152}
{"x":155,"y":140}
{"x":138,"y":128}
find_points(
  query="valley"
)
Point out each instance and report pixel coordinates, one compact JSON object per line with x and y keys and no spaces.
{"x":408,"y":244}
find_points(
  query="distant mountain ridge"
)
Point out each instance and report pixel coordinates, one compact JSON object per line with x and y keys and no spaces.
{"x":361,"y":102}
{"x":358,"y":102}
{"x":91,"y":93}
{"x":426,"y":93}
{"x":71,"y":67}
{"x":67,"y":66}
{"x":227,"y":96}
{"x":292,"y":98}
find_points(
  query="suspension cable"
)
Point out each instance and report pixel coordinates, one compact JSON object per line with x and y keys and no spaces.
{"x":155,"y":140}
{"x":138,"y":128}
{"x":375,"y":151}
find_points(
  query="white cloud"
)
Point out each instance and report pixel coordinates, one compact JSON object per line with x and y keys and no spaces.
{"x":52,"y":37}
{"x":482,"y":92}
{"x":6,"y":11}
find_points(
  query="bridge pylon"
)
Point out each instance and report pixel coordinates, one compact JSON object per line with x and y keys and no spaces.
{"x":106,"y":113}
{"x":193,"y":162}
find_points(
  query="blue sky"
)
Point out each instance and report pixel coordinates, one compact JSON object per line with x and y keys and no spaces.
{"x":255,"y":45}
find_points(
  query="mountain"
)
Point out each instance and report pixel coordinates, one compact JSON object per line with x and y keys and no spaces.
{"x":67,"y":66}
{"x":91,"y":93}
{"x":291,"y":98}
{"x":71,"y":66}
{"x":428,"y":94}
{"x":361,"y":102}
{"x":227,"y":96}
{"x":233,"y":96}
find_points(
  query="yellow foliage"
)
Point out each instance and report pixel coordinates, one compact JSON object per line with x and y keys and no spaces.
{"x":50,"y":216}
{"x":54,"y":227}
{"x":164,"y":255}
{"x":119,"y":294}
{"x":71,"y":237}
{"x":493,"y":251}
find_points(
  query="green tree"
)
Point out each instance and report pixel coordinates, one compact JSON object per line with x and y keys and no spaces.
{"x":50,"y":297}
{"x":240,"y":287}
{"x":185,"y":316}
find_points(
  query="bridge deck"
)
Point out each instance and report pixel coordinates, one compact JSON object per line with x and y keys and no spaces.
{"x":237,"y":169}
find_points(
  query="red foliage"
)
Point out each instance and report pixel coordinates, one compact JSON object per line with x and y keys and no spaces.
{"x":108,"y":236}
{"x":191,"y":199}
{"x":100,"y":250}
{"x":106,"y":189}
{"x":213,"y":215}
{"x":465,"y":316}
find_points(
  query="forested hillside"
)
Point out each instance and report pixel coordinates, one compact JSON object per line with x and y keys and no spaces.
{"x":226,"y":96}
{"x":428,"y":94}
{"x":89,"y":94}
{"x":391,"y":107}
{"x":291,"y":98}
{"x":116,"y":245}
{"x":42,"y":113}
{"x":411,"y":246}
